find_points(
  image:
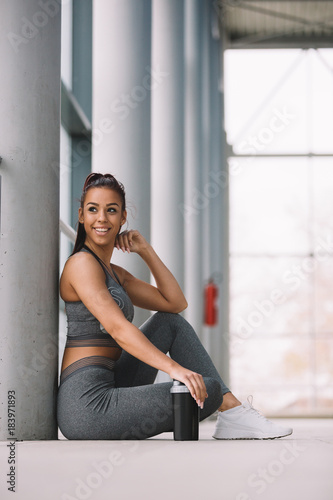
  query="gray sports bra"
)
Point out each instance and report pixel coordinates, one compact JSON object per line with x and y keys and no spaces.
{"x":83,"y":329}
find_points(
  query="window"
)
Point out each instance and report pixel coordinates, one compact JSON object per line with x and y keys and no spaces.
{"x":279,"y":121}
{"x":75,"y":142}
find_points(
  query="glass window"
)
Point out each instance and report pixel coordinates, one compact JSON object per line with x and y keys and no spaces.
{"x":279,"y":118}
{"x":270,"y":206}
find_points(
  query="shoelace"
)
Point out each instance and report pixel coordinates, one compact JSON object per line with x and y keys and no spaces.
{"x":253,"y":410}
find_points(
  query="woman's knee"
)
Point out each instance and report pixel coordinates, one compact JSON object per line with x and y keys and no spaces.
{"x":167,"y":316}
{"x":164,"y":319}
{"x":173,"y":319}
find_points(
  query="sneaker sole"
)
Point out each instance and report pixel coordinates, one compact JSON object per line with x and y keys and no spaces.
{"x":227,"y":438}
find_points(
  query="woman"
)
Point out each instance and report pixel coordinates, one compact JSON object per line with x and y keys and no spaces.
{"x":109,"y":366}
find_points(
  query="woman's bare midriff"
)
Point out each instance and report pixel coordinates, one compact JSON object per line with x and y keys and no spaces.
{"x":73,"y":354}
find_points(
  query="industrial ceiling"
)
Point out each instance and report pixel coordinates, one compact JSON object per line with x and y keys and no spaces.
{"x":276,"y":24}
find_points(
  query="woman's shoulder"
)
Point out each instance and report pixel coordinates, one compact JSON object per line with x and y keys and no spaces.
{"x":79,"y":261}
{"x":79,"y":258}
{"x":79,"y":270}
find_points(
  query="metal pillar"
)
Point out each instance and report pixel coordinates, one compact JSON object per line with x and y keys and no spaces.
{"x":123,"y":78}
{"x":206,"y":187}
{"x":168,"y":135}
{"x":30,"y":129}
{"x":195,"y":203}
{"x":219,"y":207}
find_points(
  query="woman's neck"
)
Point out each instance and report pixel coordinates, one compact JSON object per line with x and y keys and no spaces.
{"x":104,"y":254}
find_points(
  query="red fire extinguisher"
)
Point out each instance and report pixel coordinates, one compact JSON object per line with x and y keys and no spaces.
{"x":211,"y":294}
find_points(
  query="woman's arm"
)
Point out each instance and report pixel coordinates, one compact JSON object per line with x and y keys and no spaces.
{"x":91,"y":289}
{"x":167,"y":296}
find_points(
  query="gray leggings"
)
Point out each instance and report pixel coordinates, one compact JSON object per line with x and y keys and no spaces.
{"x":96,"y":402}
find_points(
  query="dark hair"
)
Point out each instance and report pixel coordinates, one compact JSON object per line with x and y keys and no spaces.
{"x":97,"y":180}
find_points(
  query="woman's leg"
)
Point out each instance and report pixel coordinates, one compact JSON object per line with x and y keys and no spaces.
{"x":146,"y":410}
{"x":89,"y":406}
{"x":170,"y":333}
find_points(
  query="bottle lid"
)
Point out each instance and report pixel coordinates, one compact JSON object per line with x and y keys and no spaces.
{"x":178,"y":387}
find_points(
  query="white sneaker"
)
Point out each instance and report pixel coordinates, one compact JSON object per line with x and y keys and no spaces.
{"x":244,"y":422}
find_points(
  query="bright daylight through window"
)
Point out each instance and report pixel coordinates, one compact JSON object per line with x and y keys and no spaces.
{"x":279,"y":121}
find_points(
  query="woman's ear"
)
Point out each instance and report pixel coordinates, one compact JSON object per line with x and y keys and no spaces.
{"x":81,"y":215}
{"x":124,"y":218}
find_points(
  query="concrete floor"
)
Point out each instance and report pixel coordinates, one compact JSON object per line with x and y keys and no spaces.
{"x":298,"y":467}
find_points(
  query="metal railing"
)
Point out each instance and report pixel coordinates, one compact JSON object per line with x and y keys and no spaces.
{"x":67,"y":230}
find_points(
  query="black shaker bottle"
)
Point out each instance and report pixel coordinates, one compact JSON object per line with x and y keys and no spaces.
{"x":185,"y":413}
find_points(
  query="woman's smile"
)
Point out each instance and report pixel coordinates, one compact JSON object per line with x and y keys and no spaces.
{"x":101,"y":231}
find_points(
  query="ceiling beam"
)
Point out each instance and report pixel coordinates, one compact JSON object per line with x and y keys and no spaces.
{"x":278,"y":41}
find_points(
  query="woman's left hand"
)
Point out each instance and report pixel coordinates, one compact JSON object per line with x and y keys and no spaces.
{"x":131,"y":241}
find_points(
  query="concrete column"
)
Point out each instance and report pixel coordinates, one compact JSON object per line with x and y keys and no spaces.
{"x":194,"y":202}
{"x":168,"y":135}
{"x":123,"y":78}
{"x":29,"y":146}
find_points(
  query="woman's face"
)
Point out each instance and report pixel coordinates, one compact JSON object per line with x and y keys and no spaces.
{"x":102,"y":215}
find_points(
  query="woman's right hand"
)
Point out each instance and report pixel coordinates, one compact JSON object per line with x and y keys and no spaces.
{"x":193,"y":381}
